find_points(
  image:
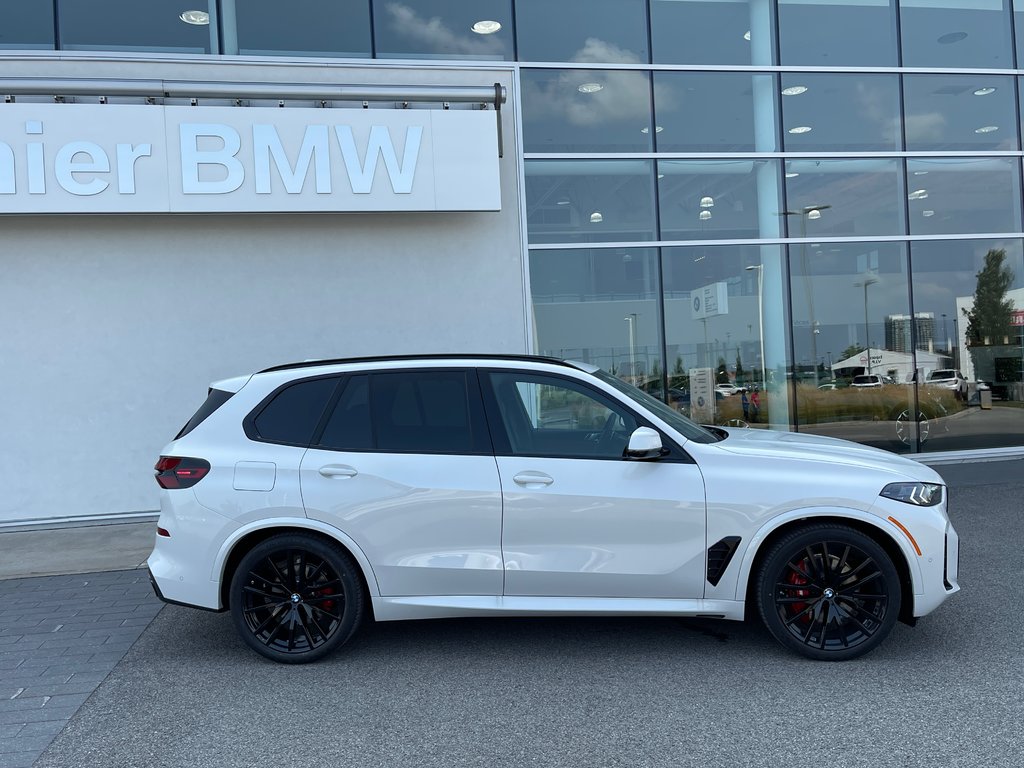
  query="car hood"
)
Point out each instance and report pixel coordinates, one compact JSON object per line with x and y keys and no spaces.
{"x":792,"y":446}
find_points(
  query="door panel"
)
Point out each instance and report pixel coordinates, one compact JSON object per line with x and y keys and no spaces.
{"x":580,"y":520}
{"x":430,"y":525}
{"x":603,"y":528}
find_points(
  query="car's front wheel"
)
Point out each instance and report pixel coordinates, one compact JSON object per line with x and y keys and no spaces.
{"x":828,"y":592}
{"x":296,"y":598}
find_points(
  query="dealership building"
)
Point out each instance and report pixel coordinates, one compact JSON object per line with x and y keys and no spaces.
{"x":782,"y":193}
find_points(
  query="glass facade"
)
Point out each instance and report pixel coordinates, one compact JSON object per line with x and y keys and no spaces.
{"x":819,"y":199}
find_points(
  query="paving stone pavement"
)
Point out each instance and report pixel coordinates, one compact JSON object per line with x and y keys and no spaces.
{"x":60,"y":636}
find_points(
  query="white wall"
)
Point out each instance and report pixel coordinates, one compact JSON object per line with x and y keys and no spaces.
{"x":113,"y":326}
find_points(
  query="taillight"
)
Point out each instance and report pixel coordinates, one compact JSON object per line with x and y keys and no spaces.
{"x":180,"y":471}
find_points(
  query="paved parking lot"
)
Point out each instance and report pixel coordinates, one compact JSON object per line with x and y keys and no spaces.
{"x":587,"y":692}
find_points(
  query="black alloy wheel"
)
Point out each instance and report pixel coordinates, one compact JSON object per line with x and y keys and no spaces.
{"x":828,"y":592}
{"x":296,"y":598}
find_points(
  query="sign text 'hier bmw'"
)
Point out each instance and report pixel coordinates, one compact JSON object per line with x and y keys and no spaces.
{"x":93,"y":158}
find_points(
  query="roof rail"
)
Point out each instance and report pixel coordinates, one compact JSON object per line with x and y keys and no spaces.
{"x":389,"y":358}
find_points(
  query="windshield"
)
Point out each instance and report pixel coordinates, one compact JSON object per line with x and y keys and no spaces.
{"x":942,"y":375}
{"x":864,"y":379}
{"x":674,"y":419}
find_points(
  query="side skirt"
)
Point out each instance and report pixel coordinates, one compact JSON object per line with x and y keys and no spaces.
{"x":454,"y":606}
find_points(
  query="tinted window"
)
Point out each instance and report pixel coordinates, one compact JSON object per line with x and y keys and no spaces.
{"x":294,"y":412}
{"x":28,"y":26}
{"x":320,"y":27}
{"x":422,"y":412}
{"x":582,"y":31}
{"x":549,"y":416}
{"x":128,"y":25}
{"x":349,"y":428}
{"x":214,"y":400}
{"x":450,"y":29}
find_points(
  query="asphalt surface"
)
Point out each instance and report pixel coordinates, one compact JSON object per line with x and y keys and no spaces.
{"x":590,"y":692}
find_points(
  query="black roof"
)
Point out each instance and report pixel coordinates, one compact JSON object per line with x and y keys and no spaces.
{"x":389,"y":358}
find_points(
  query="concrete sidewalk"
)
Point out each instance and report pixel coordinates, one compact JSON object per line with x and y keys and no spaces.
{"x":80,"y":549}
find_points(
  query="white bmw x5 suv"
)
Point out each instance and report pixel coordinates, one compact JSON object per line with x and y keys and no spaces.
{"x":308,"y":497}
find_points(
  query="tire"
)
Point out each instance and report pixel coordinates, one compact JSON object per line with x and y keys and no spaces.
{"x":828,"y":592}
{"x":296,"y":598}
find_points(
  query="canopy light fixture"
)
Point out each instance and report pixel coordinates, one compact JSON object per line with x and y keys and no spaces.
{"x":486,"y":27}
{"x":918,"y":194}
{"x":590,"y":88}
{"x":814,"y":214}
{"x":792,"y":175}
{"x":196,"y":18}
{"x":987,"y":129}
{"x":927,"y":214}
{"x":951,"y":37}
{"x":647,"y":129}
{"x":746,"y":35}
{"x":707,"y":202}
{"x":596,"y":217}
{"x":794,"y":90}
{"x":801,"y":129}
{"x":704,"y":215}
{"x":984,"y":91}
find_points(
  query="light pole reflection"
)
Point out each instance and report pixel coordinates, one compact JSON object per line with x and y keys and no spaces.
{"x":760,"y":316}
{"x":867,"y":282}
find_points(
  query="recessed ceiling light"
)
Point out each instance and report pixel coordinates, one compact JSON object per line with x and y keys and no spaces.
{"x":596,"y":217}
{"x":486,"y":27}
{"x":562,"y":202}
{"x":792,"y":175}
{"x":657,"y":129}
{"x":927,"y":214}
{"x":590,"y":88}
{"x":198,"y":18}
{"x":920,"y":173}
{"x":746,"y":35}
{"x":661,"y":175}
{"x":987,"y":129}
{"x":984,"y":91}
{"x":794,"y":90}
{"x":707,"y":202}
{"x":704,"y":215}
{"x":801,"y":129}
{"x":918,"y":194}
{"x":952,"y":37}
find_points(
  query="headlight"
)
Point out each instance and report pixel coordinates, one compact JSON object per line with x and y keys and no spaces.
{"x":920,"y":494}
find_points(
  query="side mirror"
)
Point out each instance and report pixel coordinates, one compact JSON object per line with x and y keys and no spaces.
{"x":644,"y":443}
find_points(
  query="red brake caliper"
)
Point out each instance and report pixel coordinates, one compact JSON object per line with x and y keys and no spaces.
{"x":798,"y":580}
{"x":328,"y":605}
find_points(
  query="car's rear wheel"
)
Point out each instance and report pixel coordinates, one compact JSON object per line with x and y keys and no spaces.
{"x":296,"y":598}
{"x":828,"y":592}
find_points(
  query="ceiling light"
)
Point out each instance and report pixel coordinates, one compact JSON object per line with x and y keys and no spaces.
{"x":814,"y":214}
{"x":918,"y":194}
{"x":646,"y":129}
{"x":704,"y":215}
{"x":920,"y":173}
{"x":746,"y":35}
{"x":562,"y":202}
{"x":794,"y":90}
{"x":927,"y":214}
{"x":661,"y":175}
{"x":486,"y":27}
{"x":590,"y":88}
{"x":801,"y":129}
{"x":596,"y":217}
{"x":792,"y":175}
{"x":984,"y":91}
{"x":198,"y":18}
{"x":707,"y":202}
{"x":952,"y":37}
{"x":987,"y":129}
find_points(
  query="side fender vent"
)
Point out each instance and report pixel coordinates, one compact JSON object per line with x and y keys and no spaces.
{"x":719,"y":557}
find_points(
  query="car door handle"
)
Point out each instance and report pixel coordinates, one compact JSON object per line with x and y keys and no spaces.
{"x":334,"y":470}
{"x":533,"y":478}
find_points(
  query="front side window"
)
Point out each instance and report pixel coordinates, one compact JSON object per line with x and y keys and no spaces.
{"x":550,"y":416}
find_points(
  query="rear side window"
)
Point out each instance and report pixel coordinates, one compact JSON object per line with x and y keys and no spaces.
{"x":422,"y":412}
{"x":292,"y":415}
{"x":349,"y":429}
{"x":214,"y":400}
